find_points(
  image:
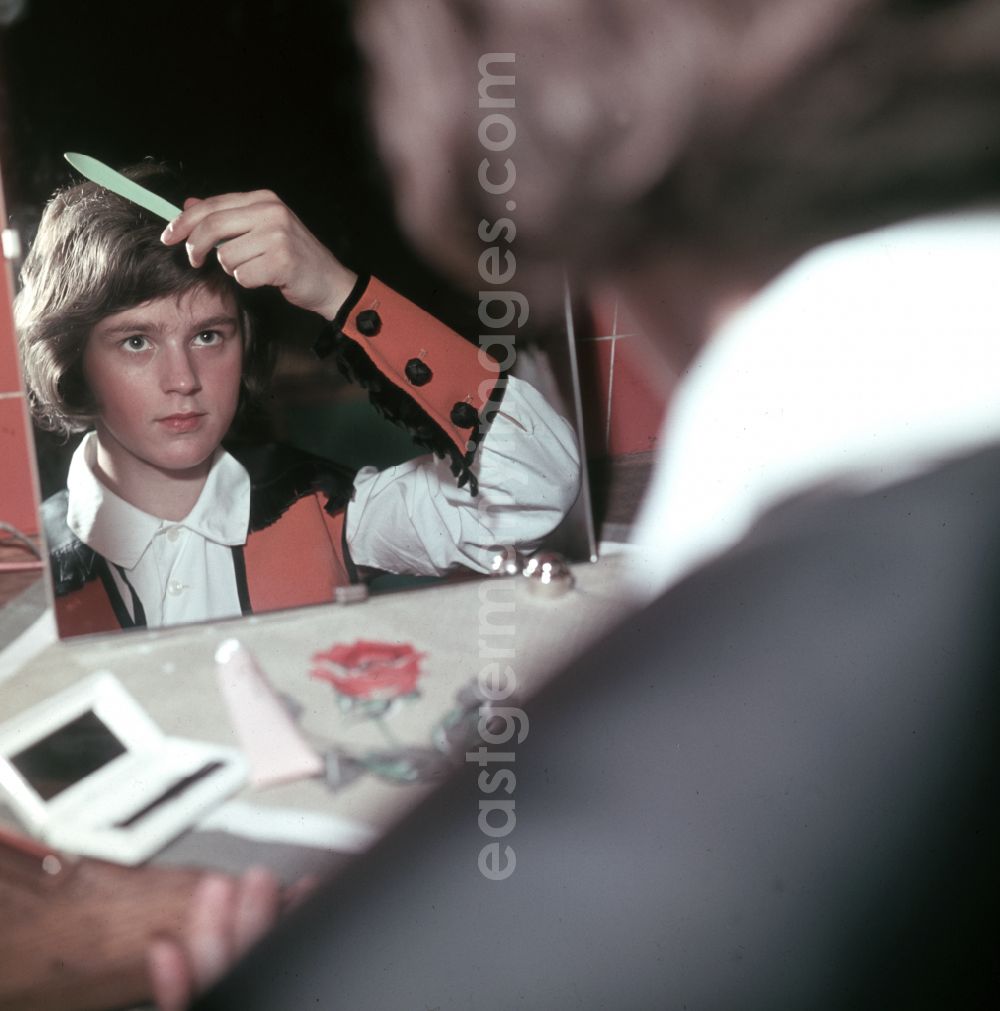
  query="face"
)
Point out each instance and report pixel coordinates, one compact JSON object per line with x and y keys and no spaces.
{"x":166,"y":377}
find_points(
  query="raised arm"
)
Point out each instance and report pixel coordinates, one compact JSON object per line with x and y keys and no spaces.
{"x":503,"y":468}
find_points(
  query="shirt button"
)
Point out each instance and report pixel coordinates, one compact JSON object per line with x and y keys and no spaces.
{"x":175,"y":587}
{"x":173,"y":533}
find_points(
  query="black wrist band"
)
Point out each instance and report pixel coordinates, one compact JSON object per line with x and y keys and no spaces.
{"x":327,"y":339}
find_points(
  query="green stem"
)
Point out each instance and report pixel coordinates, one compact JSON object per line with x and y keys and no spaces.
{"x":390,"y":737}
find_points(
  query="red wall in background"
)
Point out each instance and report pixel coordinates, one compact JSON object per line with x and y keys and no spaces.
{"x":622,"y":408}
{"x":17,"y":481}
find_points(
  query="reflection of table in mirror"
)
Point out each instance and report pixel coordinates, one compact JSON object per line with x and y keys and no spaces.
{"x":381,"y":759}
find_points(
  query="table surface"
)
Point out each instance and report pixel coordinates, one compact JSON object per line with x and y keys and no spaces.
{"x":458,"y":628}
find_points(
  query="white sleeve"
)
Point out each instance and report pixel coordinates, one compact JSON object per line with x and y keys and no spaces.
{"x":413,"y":519}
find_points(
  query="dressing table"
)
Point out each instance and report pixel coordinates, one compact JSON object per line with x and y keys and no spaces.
{"x":76,"y":941}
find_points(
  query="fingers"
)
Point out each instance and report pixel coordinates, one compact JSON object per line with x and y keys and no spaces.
{"x":197,"y":209}
{"x":258,"y":258}
{"x":259,"y":241}
{"x":257,"y":907}
{"x":210,"y":939}
{"x":170,"y":975}
{"x":205,"y":224}
{"x":227,"y":917}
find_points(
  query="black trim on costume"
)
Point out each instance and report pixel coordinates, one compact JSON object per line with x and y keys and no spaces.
{"x":103,"y":572}
{"x":461,"y":466}
{"x":240,"y":571}
{"x":399,"y":407}
{"x":326,"y":342}
{"x":73,"y":564}
{"x":281,"y":475}
{"x":138,"y":611}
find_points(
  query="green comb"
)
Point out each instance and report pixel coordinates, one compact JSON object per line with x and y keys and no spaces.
{"x":97,"y":172}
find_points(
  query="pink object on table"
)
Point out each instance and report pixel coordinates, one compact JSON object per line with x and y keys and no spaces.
{"x":274,"y":748}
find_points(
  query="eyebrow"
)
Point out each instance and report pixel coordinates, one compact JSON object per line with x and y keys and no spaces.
{"x":140,"y":325}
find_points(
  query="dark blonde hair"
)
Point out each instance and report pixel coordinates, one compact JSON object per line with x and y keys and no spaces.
{"x":95,"y":254}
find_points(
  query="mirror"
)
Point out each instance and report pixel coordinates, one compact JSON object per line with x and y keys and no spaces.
{"x":241,"y":96}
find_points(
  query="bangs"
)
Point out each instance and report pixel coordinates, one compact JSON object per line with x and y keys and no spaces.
{"x":139,"y":268}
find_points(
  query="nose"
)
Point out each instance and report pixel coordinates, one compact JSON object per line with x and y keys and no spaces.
{"x":179,"y":371}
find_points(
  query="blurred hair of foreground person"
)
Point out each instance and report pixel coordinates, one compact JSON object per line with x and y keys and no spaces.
{"x":732,"y":169}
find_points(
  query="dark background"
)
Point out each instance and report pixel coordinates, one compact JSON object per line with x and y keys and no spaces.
{"x":237,"y":94}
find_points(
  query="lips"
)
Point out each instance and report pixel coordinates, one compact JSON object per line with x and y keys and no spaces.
{"x":181,"y":422}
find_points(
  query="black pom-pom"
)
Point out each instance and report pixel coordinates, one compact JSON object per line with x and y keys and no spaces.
{"x":464,"y":415}
{"x":418,"y":372}
{"x":368,"y":323}
{"x":396,"y":404}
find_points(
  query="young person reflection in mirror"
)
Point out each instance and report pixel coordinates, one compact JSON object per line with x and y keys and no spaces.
{"x":145,"y":337}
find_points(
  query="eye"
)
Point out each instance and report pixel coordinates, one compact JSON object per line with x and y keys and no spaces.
{"x":136,"y":342}
{"x":208,"y":338}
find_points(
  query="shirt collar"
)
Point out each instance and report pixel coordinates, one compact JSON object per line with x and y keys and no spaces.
{"x":121,"y":533}
{"x":222,"y":512}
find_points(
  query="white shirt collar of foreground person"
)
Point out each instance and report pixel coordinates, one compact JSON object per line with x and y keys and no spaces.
{"x":870,"y":359}
{"x":181,"y":571}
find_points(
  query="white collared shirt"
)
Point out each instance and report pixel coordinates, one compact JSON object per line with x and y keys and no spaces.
{"x":411,"y":518}
{"x":871,"y":359}
{"x":179,"y":571}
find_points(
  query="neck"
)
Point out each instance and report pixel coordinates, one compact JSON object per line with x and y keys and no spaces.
{"x":166,"y":494}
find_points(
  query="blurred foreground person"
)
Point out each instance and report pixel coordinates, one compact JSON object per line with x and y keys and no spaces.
{"x":795,"y":198}
{"x":775,"y":786}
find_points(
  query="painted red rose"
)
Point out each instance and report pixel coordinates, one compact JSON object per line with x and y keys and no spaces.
{"x":370,"y":670}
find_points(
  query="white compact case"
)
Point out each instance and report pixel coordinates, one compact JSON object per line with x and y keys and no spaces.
{"x":89,"y":772}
